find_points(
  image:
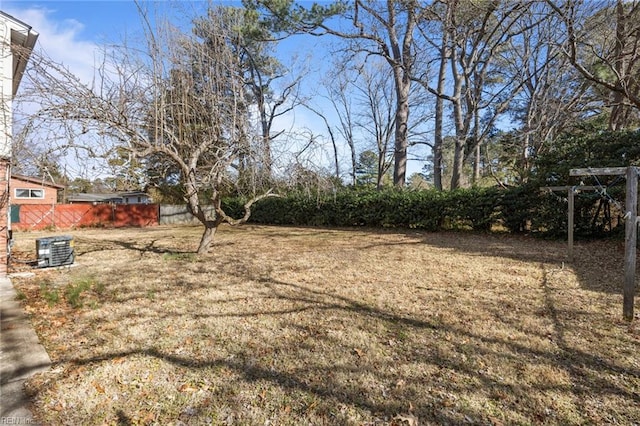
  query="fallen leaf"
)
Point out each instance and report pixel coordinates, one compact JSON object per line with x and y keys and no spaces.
{"x":149,"y":418}
{"x":495,"y":421}
{"x":77,"y":371}
{"x":186,"y":387}
{"x":408,"y":419}
{"x":98,"y":387}
{"x":447,"y":402}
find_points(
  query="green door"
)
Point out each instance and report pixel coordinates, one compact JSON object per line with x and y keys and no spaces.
{"x":15,"y":213}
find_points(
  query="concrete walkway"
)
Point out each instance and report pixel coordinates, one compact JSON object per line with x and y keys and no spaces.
{"x":21,"y":355}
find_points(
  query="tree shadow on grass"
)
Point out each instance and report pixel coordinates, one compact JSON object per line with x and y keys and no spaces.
{"x":599,"y":265}
{"x":591,"y":376}
{"x":430,"y":362}
{"x":141,"y":247}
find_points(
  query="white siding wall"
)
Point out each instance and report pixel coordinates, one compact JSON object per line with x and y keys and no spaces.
{"x":13,"y":35}
{"x":6,"y":87}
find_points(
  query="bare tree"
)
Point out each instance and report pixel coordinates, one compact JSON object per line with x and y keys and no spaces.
{"x":271,"y":87}
{"x":178,"y":98}
{"x":336,"y":91}
{"x":602,"y":41}
{"x":361,"y":94}
{"x":332,"y":137}
{"x":470,"y":39}
{"x":553,"y":93}
{"x":376,"y":117}
{"x":385,"y":29}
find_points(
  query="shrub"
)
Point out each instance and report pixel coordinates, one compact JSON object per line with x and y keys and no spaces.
{"x":426,"y":209}
{"x":517,"y":209}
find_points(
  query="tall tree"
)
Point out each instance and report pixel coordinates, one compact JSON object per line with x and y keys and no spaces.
{"x":376,"y":117}
{"x":334,"y":90}
{"x":470,"y":39}
{"x":384,"y":29}
{"x":361,"y":94}
{"x":338,"y":94}
{"x":444,"y":50}
{"x":254,"y":48}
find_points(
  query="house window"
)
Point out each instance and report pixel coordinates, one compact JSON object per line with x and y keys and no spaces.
{"x":29,"y":193}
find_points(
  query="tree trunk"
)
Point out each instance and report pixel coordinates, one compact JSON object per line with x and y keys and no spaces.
{"x":354,"y":162}
{"x":210,"y":228}
{"x":617,"y":118}
{"x":458,"y":164}
{"x":458,"y":111}
{"x":438,"y":139}
{"x":477,"y":154}
{"x":196,"y":209}
{"x":437,"y":164}
{"x":476,"y":165}
{"x":401,"y":64}
{"x":267,"y":160}
{"x":381,"y":170}
{"x":461,"y":139}
{"x":403,"y":85}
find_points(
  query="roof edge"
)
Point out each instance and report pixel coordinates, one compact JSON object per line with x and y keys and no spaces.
{"x":26,"y":41}
{"x":16,"y":20}
{"x":37,"y":181}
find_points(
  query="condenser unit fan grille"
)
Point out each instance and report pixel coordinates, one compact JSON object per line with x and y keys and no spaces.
{"x":54,"y":251}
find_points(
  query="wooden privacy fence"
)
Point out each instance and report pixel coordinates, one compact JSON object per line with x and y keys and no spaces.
{"x":29,"y":217}
{"x":177,"y":214}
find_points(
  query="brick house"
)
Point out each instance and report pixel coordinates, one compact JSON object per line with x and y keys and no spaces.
{"x":30,"y":190}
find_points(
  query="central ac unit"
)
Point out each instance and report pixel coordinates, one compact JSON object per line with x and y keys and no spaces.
{"x":54,"y":251}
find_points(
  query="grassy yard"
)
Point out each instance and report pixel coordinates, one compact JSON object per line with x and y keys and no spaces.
{"x":290,"y":326}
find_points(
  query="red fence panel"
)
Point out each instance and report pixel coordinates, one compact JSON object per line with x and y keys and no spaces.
{"x":136,"y":215}
{"x":64,"y":216}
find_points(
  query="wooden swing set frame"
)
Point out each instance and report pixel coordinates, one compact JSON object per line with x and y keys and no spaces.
{"x":631,"y":223}
{"x":631,"y":228}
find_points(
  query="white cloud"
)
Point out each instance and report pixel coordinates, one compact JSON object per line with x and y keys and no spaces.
{"x":62,"y":41}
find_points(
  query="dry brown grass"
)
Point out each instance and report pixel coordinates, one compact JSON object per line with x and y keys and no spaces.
{"x":307,"y":326}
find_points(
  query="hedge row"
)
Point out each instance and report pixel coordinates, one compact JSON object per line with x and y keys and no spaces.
{"x":519,"y":209}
